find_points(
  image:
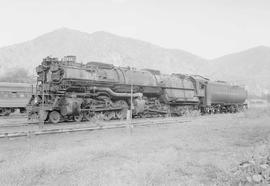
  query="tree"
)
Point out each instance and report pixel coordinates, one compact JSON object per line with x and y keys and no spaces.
{"x":17,"y":75}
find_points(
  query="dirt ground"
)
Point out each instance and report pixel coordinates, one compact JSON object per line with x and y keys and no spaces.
{"x":201,"y":152}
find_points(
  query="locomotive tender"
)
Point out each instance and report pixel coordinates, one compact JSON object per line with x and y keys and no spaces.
{"x":70,"y":90}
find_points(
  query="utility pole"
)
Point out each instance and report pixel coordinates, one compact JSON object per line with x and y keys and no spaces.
{"x":41,"y":112}
{"x":131,"y":104}
{"x":130,"y":125}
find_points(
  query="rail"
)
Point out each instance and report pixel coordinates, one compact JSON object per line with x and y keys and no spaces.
{"x":66,"y":128}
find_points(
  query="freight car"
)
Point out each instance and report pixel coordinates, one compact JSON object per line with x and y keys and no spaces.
{"x":70,"y":90}
{"x":14,"y":96}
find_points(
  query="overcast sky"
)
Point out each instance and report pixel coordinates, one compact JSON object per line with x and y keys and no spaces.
{"x":208,"y":28}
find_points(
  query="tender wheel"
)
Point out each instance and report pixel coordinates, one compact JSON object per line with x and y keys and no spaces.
{"x":55,"y":117}
{"x":78,"y":118}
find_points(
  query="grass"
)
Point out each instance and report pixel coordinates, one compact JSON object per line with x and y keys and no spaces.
{"x":260,"y":112}
{"x":201,"y":152}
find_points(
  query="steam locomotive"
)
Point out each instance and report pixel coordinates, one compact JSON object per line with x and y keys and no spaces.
{"x":67,"y":90}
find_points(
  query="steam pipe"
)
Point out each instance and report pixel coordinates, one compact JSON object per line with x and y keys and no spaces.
{"x":116,"y":94}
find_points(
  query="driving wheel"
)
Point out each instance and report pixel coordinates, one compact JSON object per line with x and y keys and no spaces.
{"x":55,"y":117}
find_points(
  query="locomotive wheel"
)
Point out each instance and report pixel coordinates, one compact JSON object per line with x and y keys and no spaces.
{"x":121,"y":114}
{"x":33,"y":116}
{"x":109,"y":115}
{"x":55,"y":117}
{"x":6,"y":112}
{"x":78,"y":118}
{"x":94,"y":117}
{"x":43,"y":115}
{"x":89,"y":116}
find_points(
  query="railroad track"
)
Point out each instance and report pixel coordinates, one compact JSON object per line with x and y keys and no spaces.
{"x":85,"y":126}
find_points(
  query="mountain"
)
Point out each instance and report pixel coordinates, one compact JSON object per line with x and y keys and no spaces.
{"x":250,"y":67}
{"x":98,"y":46}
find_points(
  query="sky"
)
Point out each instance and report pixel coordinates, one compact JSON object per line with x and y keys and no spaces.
{"x":207,"y":28}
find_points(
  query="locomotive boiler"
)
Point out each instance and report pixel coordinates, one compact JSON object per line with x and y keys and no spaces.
{"x":70,"y":90}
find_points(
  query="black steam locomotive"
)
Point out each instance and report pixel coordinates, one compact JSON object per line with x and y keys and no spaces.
{"x":70,"y":90}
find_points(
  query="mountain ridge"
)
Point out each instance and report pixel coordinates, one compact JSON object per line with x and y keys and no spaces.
{"x":255,"y":48}
{"x":99,"y":46}
{"x":244,"y":67}
{"x":250,"y":67}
